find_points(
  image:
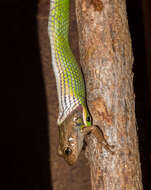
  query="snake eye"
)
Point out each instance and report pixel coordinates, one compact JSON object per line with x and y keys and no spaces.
{"x":67,"y":151}
{"x":88,"y":118}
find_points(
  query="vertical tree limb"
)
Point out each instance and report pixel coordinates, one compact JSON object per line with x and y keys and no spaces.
{"x":106,"y":59}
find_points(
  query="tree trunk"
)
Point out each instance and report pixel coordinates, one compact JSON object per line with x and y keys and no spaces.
{"x":106,"y":58}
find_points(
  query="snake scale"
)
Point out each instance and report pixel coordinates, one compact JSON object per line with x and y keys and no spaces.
{"x":69,"y":79}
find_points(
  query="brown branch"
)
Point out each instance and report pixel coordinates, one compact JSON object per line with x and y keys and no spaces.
{"x":106,"y":59}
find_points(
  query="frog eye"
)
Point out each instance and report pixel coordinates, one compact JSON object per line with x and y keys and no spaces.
{"x":67,"y":151}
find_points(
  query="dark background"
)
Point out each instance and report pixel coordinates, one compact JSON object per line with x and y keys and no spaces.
{"x":25,"y":156}
{"x":24,"y":126}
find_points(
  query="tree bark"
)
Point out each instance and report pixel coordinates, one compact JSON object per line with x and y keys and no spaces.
{"x":106,"y":59}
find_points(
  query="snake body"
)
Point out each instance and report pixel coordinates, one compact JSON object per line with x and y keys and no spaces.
{"x":69,"y":78}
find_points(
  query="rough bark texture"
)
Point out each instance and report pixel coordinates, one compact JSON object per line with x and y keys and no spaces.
{"x":106,"y":59}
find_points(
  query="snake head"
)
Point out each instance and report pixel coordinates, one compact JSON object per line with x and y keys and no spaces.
{"x":71,"y":136}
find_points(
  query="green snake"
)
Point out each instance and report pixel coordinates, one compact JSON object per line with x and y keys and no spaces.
{"x":74,"y":120}
{"x":69,"y":78}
